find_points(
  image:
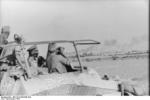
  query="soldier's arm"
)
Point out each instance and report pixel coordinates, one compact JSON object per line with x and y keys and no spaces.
{"x":64,"y":61}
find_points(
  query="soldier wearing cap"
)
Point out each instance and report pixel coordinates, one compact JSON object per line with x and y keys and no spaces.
{"x":56,"y":63}
{"x":33,"y":55}
{"x":32,"y":59}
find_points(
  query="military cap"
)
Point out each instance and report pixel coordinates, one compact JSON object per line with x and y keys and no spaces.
{"x":34,"y":51}
{"x":34,"y":47}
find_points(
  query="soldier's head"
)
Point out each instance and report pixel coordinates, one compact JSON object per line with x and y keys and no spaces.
{"x":18,"y":38}
{"x":52,"y":48}
{"x":5,"y":31}
{"x":60,"y":50}
{"x":33,"y":51}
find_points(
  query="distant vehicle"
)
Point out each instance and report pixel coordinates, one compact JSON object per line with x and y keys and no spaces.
{"x":84,"y":81}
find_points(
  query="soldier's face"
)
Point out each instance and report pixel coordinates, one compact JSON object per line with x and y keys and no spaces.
{"x":35,"y":55}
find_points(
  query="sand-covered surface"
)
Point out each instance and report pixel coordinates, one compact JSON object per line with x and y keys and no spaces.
{"x":133,"y":69}
{"x":126,"y":68}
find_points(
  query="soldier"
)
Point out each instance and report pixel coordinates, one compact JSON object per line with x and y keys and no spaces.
{"x":55,"y":62}
{"x":3,"y":41}
{"x":60,"y":51}
{"x":33,"y":55}
{"x":21,"y":55}
{"x":32,"y":59}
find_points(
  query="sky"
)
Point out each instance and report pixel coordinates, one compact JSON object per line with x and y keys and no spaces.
{"x":112,"y":22}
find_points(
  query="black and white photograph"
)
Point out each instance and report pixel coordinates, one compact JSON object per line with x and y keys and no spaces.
{"x":74,"y":48}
